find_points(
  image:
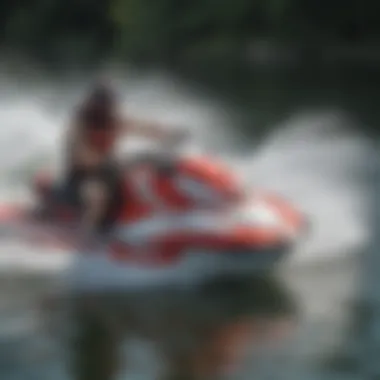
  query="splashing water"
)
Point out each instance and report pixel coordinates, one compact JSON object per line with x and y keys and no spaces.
{"x":310,"y":159}
{"x":316,"y":162}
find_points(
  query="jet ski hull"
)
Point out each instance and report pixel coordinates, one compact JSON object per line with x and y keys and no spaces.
{"x":95,"y":272}
{"x":162,"y":248}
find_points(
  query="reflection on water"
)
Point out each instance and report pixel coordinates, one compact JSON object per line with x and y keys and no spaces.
{"x":191,"y":334}
{"x":240,"y":327}
{"x":196,"y":334}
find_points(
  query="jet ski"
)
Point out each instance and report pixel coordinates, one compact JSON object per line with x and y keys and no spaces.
{"x":149,"y":245}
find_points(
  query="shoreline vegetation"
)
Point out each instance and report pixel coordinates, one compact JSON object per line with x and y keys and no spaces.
{"x":185,"y":34}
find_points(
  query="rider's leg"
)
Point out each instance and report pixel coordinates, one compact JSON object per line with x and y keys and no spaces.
{"x":101,"y":195}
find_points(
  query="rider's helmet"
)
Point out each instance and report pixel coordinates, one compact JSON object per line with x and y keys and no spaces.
{"x":99,"y":108}
{"x":102,"y":94}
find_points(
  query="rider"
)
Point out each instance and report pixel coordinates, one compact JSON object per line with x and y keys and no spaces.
{"x":92,"y":180}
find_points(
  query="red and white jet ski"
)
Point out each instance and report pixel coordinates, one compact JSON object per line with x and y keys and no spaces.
{"x":170,"y":244}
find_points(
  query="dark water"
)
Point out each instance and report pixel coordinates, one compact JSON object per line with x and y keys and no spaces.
{"x":294,"y":325}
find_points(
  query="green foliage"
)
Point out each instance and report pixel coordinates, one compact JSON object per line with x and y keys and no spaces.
{"x":176,"y":30}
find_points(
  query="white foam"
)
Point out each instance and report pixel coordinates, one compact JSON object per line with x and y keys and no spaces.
{"x":314,"y":162}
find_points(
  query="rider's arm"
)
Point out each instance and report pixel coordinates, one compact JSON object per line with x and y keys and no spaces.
{"x":71,"y":141}
{"x":94,"y":196}
{"x":151,"y":130}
